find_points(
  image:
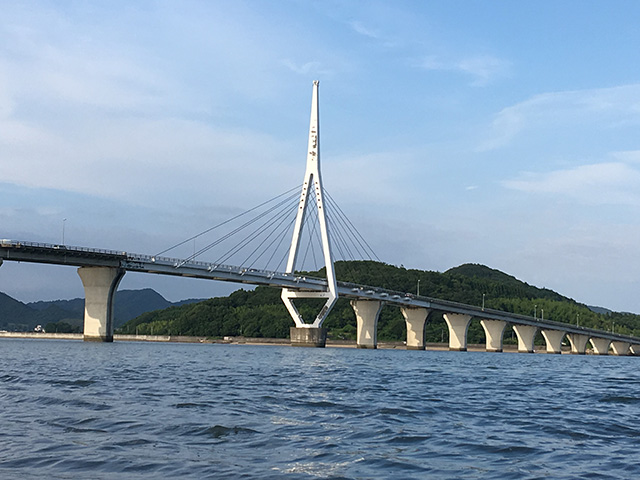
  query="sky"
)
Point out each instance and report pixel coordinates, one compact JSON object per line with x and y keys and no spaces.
{"x":501,"y":133}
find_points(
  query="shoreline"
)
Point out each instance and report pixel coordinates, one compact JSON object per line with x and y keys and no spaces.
{"x":248,"y":341}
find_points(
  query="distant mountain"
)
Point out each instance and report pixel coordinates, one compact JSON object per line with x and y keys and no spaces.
{"x":18,"y":316}
{"x":602,"y":310}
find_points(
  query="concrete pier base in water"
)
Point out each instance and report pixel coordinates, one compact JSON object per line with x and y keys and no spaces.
{"x":415,"y":318}
{"x":578,"y":343}
{"x":367,"y":313}
{"x":100,"y":285}
{"x":526,"y":334}
{"x":308,"y":337}
{"x":493,"y":331}
{"x":458,"y":324}
{"x":554,"y":340}
{"x":600,"y":345}
{"x":620,"y":348}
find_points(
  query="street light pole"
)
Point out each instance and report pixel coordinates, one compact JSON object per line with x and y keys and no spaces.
{"x":418,"y":290}
{"x":483,"y":302}
{"x":64,"y":221}
{"x":535,"y":312}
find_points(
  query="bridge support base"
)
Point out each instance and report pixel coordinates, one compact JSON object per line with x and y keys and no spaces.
{"x":634,"y":350}
{"x":415,"y":319}
{"x":308,"y":337}
{"x":100,"y":285}
{"x":600,"y":345}
{"x":493,"y":331}
{"x":578,"y":343}
{"x":367,"y":313}
{"x":526,"y":334}
{"x":553,"y":338}
{"x":620,"y":348}
{"x":458,"y":324}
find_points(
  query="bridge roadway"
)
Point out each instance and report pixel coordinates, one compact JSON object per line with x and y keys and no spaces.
{"x":457,"y":315}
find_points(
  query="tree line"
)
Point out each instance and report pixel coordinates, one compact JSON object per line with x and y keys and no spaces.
{"x":260,"y":313}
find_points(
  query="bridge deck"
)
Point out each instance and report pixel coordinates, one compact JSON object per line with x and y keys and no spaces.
{"x":20,"y":251}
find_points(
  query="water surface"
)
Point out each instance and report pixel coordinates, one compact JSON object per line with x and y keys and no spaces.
{"x":144,"y":410}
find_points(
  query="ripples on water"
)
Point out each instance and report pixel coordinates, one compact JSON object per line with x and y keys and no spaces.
{"x":140,"y":410}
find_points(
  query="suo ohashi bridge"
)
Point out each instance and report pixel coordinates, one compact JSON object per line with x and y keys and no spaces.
{"x":102,"y":270}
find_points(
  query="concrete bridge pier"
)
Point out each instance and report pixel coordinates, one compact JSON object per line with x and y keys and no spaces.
{"x":494,"y":332}
{"x":526,"y":334}
{"x":553,"y":338}
{"x":634,"y":349}
{"x":415,"y":319}
{"x":100,"y":285}
{"x":308,"y":337}
{"x":367,"y":313}
{"x":620,"y":348}
{"x":458,"y":324}
{"x":578,"y":343}
{"x":600,"y":345}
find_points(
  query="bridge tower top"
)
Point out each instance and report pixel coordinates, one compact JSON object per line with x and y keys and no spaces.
{"x":312,"y":187}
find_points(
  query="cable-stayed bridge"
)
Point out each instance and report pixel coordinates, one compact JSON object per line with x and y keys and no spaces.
{"x":303,"y":215}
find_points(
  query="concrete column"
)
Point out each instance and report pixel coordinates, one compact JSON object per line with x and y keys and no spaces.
{"x":554,"y":340}
{"x":634,"y":349}
{"x":458,"y":324}
{"x":493,"y":332}
{"x":367,"y":313}
{"x":578,"y":343}
{"x":308,"y":337}
{"x":526,"y":335}
{"x":600,"y":345}
{"x":100,"y":285}
{"x":415,"y":319}
{"x":620,"y":348}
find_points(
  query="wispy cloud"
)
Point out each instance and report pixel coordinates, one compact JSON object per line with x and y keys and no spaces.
{"x":610,"y":183}
{"x":605,"y":108}
{"x":361,"y":29}
{"x":306,"y":68}
{"x":483,"y":69}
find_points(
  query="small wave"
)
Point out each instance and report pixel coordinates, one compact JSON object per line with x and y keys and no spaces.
{"x":619,"y":399}
{"x":71,"y":383}
{"x":218,"y":431}
{"x":190,"y":405}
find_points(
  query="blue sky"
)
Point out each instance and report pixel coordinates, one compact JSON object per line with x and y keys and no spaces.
{"x":503,"y":133}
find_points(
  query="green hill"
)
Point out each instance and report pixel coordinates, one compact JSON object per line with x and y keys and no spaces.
{"x":260,"y":313}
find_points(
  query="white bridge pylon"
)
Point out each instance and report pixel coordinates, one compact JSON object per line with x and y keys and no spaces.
{"x":312,"y":186}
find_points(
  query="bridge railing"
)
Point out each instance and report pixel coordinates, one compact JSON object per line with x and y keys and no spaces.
{"x":59,"y":247}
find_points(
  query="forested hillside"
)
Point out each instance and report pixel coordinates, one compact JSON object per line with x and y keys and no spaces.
{"x":260,"y":313}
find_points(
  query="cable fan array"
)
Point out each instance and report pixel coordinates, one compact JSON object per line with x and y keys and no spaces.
{"x":260,"y":238}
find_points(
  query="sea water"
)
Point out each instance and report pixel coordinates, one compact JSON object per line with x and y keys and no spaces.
{"x":74,"y":410}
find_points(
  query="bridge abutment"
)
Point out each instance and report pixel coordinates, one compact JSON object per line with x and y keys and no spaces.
{"x":415,"y":319}
{"x":578,"y":343}
{"x":493,"y":331}
{"x":620,"y":348}
{"x":308,"y":337}
{"x":553,"y":339}
{"x":526,"y":334}
{"x":600,"y":345}
{"x":458,"y":324}
{"x":100,"y":286}
{"x":367,"y":313}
